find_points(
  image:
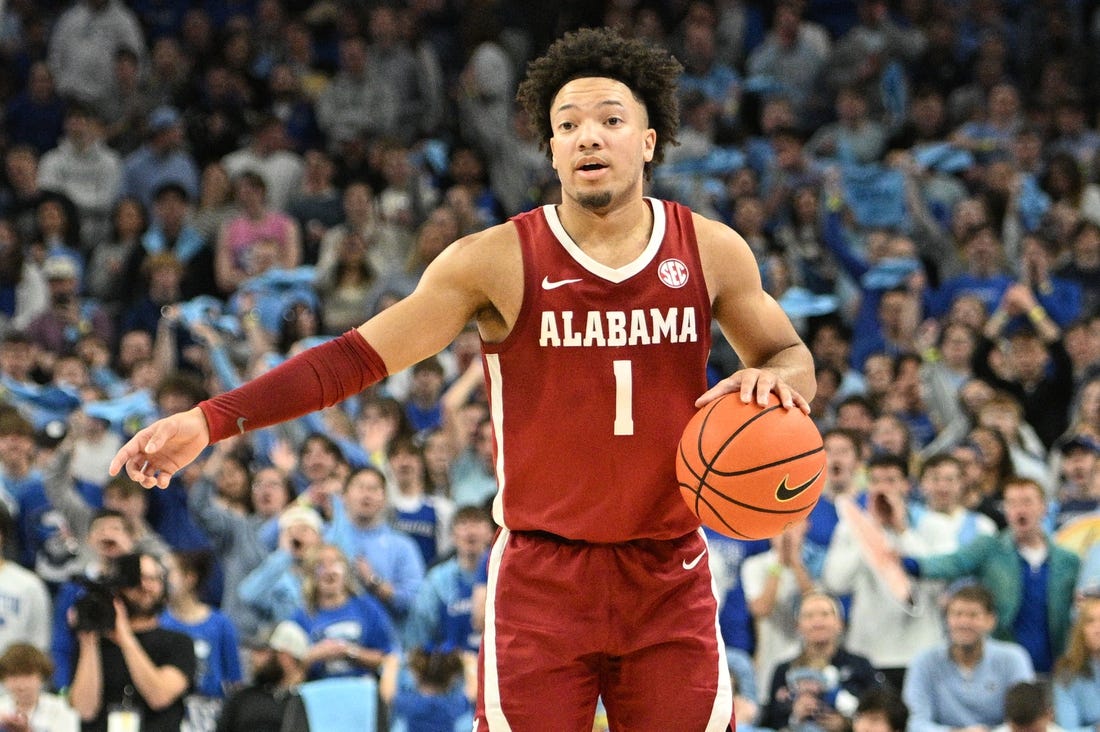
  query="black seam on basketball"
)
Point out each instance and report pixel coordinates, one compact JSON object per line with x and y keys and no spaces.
{"x":721,"y":518}
{"x":755,"y":468}
{"x":721,"y":448}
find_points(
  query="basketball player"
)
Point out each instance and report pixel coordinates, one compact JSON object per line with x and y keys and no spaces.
{"x":595,"y":319}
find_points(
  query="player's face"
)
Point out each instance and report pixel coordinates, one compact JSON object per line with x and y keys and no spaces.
{"x":601,"y":142}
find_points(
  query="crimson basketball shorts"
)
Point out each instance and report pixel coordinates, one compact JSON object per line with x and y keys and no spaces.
{"x":634,"y":623}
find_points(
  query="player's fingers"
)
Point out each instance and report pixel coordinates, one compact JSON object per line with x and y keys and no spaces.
{"x":765,"y":385}
{"x":729,"y":385}
{"x":125,"y":454}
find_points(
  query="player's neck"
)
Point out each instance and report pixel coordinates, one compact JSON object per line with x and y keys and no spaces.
{"x":614,"y":237}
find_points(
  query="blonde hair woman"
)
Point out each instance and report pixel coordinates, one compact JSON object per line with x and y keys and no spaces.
{"x":1077,"y":672}
{"x":350,"y":632}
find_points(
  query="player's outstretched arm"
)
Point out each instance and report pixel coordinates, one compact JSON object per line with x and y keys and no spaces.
{"x":776,"y":359}
{"x":460,"y":283}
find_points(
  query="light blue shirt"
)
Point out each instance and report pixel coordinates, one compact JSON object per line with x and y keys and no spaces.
{"x":1077,"y":704}
{"x":941,"y":696}
{"x":393,"y":556}
{"x":274,"y":589}
{"x":441,"y":613}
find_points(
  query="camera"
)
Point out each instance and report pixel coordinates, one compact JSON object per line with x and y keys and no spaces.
{"x":95,"y":609}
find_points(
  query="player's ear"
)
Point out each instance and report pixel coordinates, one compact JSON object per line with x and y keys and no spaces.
{"x":649,"y":145}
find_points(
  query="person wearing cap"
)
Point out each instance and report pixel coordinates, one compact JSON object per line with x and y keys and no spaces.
{"x":70,"y":315}
{"x":1075,"y":496}
{"x":278,"y":668}
{"x":274,"y":589}
{"x":161,"y":160}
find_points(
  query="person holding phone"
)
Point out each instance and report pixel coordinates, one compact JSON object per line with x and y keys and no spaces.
{"x":274,"y":589}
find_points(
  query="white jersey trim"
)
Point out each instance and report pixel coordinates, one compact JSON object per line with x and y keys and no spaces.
{"x":722,"y":711}
{"x":611,"y":274}
{"x":494,"y":711}
{"x":496,"y":414}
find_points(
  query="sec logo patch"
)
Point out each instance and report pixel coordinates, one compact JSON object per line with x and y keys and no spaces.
{"x":673,"y":273}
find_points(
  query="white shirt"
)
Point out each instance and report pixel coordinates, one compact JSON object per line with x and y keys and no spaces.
{"x":777,"y":634}
{"x":25,"y":609}
{"x":52,"y":713}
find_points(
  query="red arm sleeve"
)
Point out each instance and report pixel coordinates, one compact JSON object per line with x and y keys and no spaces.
{"x":314,"y":379}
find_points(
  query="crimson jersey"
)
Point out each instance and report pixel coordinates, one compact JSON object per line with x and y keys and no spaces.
{"x":590,"y":391}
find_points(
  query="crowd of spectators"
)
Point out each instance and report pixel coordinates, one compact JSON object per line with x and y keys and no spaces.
{"x":192,"y":192}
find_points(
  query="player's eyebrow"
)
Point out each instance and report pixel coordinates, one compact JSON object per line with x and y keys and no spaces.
{"x":605,"y":103}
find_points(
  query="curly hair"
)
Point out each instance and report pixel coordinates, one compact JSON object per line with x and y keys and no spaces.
{"x":650,"y":73}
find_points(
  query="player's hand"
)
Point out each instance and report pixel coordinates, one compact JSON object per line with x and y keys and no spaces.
{"x":154,"y":454}
{"x":755,"y":384}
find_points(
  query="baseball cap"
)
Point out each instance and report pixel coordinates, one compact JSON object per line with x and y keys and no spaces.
{"x":299,"y":514}
{"x":162,"y":118}
{"x":60,"y":267}
{"x":1080,"y":442}
{"x":289,"y":637}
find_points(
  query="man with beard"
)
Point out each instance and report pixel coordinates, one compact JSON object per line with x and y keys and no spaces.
{"x":279,"y":667}
{"x":137,"y":670}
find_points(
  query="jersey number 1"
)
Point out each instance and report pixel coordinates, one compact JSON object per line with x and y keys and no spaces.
{"x":624,"y":398}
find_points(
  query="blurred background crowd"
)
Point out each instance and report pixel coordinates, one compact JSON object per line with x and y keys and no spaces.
{"x":191,"y":192}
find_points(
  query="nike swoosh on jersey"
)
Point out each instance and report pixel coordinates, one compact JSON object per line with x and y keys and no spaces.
{"x":783,"y":493}
{"x":548,"y":284}
{"x":692,"y":564}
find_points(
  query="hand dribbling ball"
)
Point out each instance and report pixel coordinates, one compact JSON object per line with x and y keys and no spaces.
{"x":749,"y":471}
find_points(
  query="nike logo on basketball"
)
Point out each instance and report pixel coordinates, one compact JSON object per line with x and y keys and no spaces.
{"x":691,"y":565}
{"x":240,"y":423}
{"x":783,"y":493}
{"x":548,"y":284}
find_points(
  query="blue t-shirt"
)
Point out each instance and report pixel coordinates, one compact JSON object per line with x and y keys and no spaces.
{"x":217,"y":655}
{"x":441,"y":612}
{"x":361,"y":620}
{"x":413,"y":710}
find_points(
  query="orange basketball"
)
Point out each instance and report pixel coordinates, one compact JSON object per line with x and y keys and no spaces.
{"x":749,"y":471}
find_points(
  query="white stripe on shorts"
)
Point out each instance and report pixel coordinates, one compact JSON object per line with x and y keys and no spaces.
{"x":494,"y":712}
